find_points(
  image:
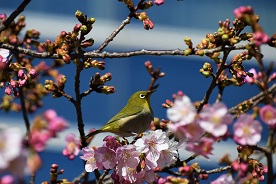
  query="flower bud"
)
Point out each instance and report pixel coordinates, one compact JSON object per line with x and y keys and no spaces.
{"x":49,"y":85}
{"x":81,"y":18}
{"x":107,"y":89}
{"x":91,"y":21}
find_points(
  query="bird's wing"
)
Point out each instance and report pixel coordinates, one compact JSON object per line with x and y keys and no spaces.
{"x":125,"y":112}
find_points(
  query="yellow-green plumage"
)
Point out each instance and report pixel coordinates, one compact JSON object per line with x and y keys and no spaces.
{"x":134,"y":118}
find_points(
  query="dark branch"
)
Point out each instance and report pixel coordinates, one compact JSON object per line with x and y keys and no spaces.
{"x":114,"y":34}
{"x":94,"y":54}
{"x":14,"y":14}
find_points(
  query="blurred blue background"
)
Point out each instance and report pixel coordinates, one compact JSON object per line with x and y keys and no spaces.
{"x":173,"y":21}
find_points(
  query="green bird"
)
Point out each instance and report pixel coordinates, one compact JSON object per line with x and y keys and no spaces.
{"x":134,"y":118}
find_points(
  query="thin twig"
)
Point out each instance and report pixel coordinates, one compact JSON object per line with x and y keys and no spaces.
{"x":80,"y":177}
{"x":100,"y":181}
{"x":87,"y":92}
{"x":14,"y":14}
{"x":24,"y":111}
{"x":114,"y":34}
{"x":214,"y":82}
{"x":217,"y":170}
{"x":94,"y":54}
{"x":255,"y":99}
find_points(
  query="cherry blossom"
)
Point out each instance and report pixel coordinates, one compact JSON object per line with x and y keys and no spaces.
{"x":260,"y":38}
{"x":159,"y":2}
{"x":168,"y":156}
{"x":105,"y":157}
{"x":128,"y":160}
{"x":152,"y":144}
{"x":4,"y":53}
{"x":268,"y":115}
{"x":88,"y":156}
{"x":215,"y":119}
{"x":190,"y":132}
{"x":253,"y":79}
{"x":7,"y":179}
{"x":247,"y":131}
{"x":10,"y":149}
{"x":183,"y":111}
{"x":72,"y":146}
{"x":203,"y":147}
{"x":39,"y":139}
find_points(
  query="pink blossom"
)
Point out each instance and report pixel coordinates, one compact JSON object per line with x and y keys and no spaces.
{"x":183,"y":111}
{"x":241,"y":167}
{"x":253,"y":79}
{"x":10,"y":149}
{"x":72,"y":146}
{"x":57,"y":124}
{"x":50,"y":114}
{"x":268,"y":115}
{"x":4,"y":53}
{"x":152,"y":144}
{"x":39,"y":139}
{"x":149,"y":176}
{"x":105,"y":157}
{"x":162,"y":181}
{"x":13,"y":83}
{"x":111,"y":142}
{"x":203,"y":147}
{"x":7,"y":179}
{"x":239,"y":12}
{"x":215,"y":119}
{"x":260,"y":37}
{"x":159,"y":2}
{"x":247,"y":131}
{"x":127,"y":155}
{"x":224,"y":179}
{"x":88,"y":156}
{"x":131,"y":175}
{"x":168,"y":156}
{"x":128,"y":160}
{"x":148,"y":24}
{"x":21,"y":73}
{"x":3,"y":16}
{"x":8,"y":90}
{"x":22,"y":82}
{"x":32,"y":72}
{"x":191,"y":132}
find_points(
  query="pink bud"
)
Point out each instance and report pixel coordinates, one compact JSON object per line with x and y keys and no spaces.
{"x":8,"y":90}
{"x":32,"y":72}
{"x":21,"y":73}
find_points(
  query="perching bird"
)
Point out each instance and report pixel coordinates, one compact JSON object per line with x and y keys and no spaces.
{"x":134,"y":118}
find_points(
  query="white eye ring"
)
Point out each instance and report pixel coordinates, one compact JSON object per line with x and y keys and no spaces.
{"x":142,"y":96}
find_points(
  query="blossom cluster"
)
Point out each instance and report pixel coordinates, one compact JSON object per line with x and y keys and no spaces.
{"x":22,"y":76}
{"x":132,"y":163}
{"x":46,"y":127}
{"x":19,"y":156}
{"x":12,"y":153}
{"x":198,"y":131}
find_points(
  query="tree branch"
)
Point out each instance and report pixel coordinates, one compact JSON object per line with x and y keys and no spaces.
{"x":94,"y":54}
{"x":14,"y":14}
{"x":114,"y":34}
{"x":255,"y":99}
{"x":214,"y":82}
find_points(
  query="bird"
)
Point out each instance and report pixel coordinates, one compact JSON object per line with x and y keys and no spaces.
{"x":133,"y":119}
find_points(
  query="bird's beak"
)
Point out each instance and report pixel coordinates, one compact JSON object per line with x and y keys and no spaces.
{"x":152,"y":91}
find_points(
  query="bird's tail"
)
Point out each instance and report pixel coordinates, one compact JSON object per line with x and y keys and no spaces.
{"x":92,"y":134}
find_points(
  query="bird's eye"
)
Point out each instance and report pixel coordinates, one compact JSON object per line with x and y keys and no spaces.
{"x":142,"y":96}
